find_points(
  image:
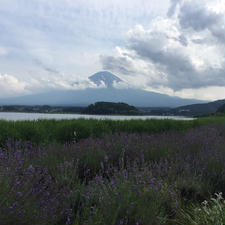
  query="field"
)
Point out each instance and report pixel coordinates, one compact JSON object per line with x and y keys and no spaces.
{"x":62,"y":131}
{"x":157,"y":172}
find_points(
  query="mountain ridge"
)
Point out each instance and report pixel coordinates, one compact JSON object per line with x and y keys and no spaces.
{"x":199,"y":109}
{"x":132,"y":96}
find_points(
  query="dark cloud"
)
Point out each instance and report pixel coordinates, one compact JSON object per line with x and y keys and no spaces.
{"x":198,"y":41}
{"x":178,"y":67}
{"x":45,"y":67}
{"x":183,"y":40}
{"x":197,"y":17}
{"x":200,"y":18}
{"x":173,"y":6}
{"x":116,"y":64}
{"x":181,"y":72}
{"x":219,"y":33}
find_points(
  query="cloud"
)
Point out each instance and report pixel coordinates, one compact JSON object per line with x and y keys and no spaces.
{"x":180,"y":52}
{"x":47,"y":44}
{"x":11,"y":86}
{"x":173,"y":6}
{"x":45,"y":84}
{"x":63,"y":34}
{"x":199,"y":18}
{"x":205,"y":93}
{"x":3,"y":51}
{"x":46,"y":68}
{"x":120,"y":64}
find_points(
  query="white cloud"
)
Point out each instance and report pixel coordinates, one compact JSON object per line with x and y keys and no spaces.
{"x":3,"y":51}
{"x":180,"y":55}
{"x":11,"y":86}
{"x":211,"y":93}
{"x":63,"y":33}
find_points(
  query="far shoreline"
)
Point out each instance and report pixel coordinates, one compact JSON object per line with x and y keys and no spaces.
{"x":10,"y":116}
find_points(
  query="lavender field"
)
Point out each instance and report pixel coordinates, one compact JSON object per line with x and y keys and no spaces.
{"x":121,"y":178}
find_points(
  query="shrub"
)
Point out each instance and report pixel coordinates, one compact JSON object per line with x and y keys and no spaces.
{"x":210,"y":212}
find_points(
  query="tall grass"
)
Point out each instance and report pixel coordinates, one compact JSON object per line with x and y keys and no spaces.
{"x":61,"y":131}
{"x":210,"y":212}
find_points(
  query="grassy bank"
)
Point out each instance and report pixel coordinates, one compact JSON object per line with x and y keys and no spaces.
{"x":121,"y":178}
{"x":61,"y":131}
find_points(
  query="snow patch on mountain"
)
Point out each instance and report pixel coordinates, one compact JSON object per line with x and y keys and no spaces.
{"x":106,"y":78}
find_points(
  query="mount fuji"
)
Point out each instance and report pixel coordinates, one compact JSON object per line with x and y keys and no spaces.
{"x":105,"y":90}
{"x":105,"y":77}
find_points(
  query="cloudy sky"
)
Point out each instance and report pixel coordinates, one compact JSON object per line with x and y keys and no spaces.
{"x":175,"y":47}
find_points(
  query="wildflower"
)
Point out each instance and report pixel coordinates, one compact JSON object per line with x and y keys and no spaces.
{"x":106,"y":158}
{"x":68,"y":220}
{"x":19,"y":194}
{"x":112,"y":183}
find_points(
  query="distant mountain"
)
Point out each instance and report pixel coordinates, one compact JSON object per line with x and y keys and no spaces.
{"x":104,"y":77}
{"x":199,"y":109}
{"x":88,"y":96}
{"x":221,"y":109}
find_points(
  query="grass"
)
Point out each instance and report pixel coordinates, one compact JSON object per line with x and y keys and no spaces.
{"x":209,"y":212}
{"x":61,"y":131}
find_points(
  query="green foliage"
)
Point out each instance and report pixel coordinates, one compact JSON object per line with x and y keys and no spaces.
{"x":193,"y":188}
{"x":124,"y":201}
{"x":61,"y":131}
{"x":210,"y":212}
{"x":18,"y":203}
{"x":111,"y":108}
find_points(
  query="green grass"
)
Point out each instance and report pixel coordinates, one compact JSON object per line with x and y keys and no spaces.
{"x":211,"y":212}
{"x":61,"y":131}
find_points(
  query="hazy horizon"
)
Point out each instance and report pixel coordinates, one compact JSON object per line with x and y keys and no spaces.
{"x":174,"y":47}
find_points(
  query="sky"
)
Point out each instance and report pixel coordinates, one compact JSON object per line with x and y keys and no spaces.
{"x":176,"y":47}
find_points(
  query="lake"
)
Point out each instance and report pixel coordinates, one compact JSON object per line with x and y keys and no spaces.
{"x":12,"y":116}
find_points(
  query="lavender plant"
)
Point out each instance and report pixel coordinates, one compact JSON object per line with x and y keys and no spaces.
{"x":120,"y":178}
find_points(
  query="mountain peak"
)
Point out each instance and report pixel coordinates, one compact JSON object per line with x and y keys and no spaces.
{"x":104,"y":77}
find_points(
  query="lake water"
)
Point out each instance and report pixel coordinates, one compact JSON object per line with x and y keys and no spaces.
{"x":35,"y":116}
